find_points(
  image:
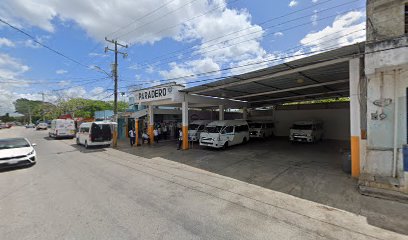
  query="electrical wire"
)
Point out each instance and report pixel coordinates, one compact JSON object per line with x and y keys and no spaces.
{"x":251,"y":39}
{"x":156,"y":19}
{"x":258,"y":24}
{"x":43,"y":45}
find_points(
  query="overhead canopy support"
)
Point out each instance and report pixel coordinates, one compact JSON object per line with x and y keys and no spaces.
{"x":275,"y":75}
{"x":293,"y":89}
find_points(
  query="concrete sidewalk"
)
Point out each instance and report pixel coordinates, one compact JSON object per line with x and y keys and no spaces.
{"x":326,"y":221}
{"x":307,"y":174}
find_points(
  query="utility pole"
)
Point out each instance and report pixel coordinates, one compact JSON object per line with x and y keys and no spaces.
{"x":115,"y":70}
{"x":115,"y":76}
{"x":43,"y":103}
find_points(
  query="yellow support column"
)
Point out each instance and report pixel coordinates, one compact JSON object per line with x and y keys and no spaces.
{"x":184,"y":112}
{"x":355,"y":116}
{"x":137,"y":131}
{"x":150,"y":128}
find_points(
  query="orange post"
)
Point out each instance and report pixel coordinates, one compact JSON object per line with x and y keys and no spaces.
{"x":151,"y":134}
{"x":355,"y":156}
{"x":185,"y":137}
{"x":137,"y":132}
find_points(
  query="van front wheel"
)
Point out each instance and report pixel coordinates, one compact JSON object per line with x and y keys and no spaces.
{"x":77,"y":141}
{"x":225,"y":145}
{"x":245,"y":140}
{"x":86,"y":145}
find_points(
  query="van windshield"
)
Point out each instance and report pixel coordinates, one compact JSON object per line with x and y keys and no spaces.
{"x":101,"y":132}
{"x":213,"y":129}
{"x":255,"y":125}
{"x":302,"y":127}
{"x":193,"y":126}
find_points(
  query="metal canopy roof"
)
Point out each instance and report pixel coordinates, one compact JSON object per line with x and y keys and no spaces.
{"x":324,"y":75}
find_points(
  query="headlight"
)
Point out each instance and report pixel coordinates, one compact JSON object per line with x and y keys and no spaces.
{"x":32,"y":152}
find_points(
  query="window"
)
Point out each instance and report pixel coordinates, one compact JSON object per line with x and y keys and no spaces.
{"x":406,"y":18}
{"x":229,"y":129}
{"x":201,"y":127}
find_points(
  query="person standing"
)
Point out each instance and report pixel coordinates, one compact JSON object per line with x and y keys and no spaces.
{"x":132,"y":136}
{"x":180,"y":139}
{"x":145,"y":137}
{"x":165,"y":131}
{"x":156,"y":135}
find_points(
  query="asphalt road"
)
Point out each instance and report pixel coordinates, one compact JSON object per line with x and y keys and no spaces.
{"x":73,"y":193}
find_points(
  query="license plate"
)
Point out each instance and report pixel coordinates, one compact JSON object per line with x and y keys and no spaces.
{"x":72,"y":132}
{"x":13,"y":161}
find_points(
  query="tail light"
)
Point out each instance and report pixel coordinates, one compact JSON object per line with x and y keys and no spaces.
{"x":90,"y":136}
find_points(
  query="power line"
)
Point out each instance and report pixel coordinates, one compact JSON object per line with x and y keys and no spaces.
{"x":234,"y":32}
{"x":193,"y":18}
{"x":246,"y":40}
{"x":140,"y":18}
{"x":156,"y":19}
{"x":43,"y":45}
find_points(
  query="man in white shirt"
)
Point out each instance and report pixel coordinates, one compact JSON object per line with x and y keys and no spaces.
{"x":132,"y":136}
{"x":145,"y":137}
{"x":156,"y":135}
{"x":180,"y":139}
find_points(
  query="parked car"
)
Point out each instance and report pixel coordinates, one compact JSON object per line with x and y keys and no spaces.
{"x":16,"y":152}
{"x":196,"y":128}
{"x":31,"y":125}
{"x":62,"y":128}
{"x":222,"y":134}
{"x":306,"y":131}
{"x":261,"y":129}
{"x":41,"y":126}
{"x":95,"y":134}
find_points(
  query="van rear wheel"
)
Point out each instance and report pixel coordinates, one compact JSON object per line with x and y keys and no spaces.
{"x":77,"y":141}
{"x":86,"y":145}
{"x":245,"y":140}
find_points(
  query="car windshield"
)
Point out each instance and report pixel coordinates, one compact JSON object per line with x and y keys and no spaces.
{"x":13,"y":143}
{"x":213,"y":129}
{"x":302,"y":127}
{"x":255,"y":125}
{"x":193,"y":126}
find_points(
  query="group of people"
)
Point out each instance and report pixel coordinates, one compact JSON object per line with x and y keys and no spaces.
{"x":160,"y":131}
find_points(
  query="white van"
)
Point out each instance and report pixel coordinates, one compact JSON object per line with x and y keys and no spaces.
{"x":62,"y":128}
{"x":261,"y":129}
{"x":306,"y":131}
{"x":222,"y":134}
{"x":196,"y":128}
{"x":95,"y":134}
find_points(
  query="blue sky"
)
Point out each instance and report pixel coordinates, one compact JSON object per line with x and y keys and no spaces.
{"x":214,"y":34}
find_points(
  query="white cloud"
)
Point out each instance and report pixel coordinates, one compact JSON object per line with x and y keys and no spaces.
{"x":61,"y":71}
{"x":345,"y":30}
{"x":293,"y":3}
{"x":278,"y":34}
{"x":11,"y":67}
{"x":93,"y":54}
{"x":315,"y":1}
{"x":6,"y":42}
{"x":189,"y":68}
{"x":314,"y":18}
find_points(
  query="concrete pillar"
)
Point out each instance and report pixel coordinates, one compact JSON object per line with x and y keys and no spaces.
{"x":221,"y":112}
{"x":151,"y":124}
{"x":137,"y":131}
{"x":355,"y":112}
{"x":245,"y":113}
{"x":184,"y":125}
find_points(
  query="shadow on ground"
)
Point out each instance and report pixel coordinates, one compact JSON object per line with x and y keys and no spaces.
{"x":308,"y":171}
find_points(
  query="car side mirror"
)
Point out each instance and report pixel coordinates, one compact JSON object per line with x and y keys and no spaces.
{"x":34,"y":144}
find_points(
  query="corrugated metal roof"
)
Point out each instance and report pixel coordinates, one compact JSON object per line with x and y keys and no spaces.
{"x":274,"y":84}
